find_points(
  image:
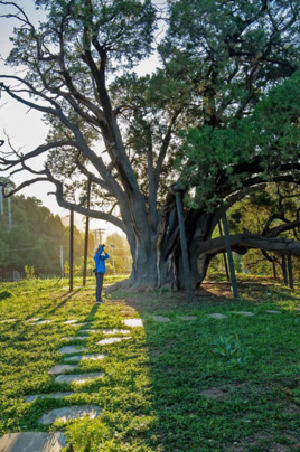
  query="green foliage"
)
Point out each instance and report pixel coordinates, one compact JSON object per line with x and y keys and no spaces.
{"x":262,"y":142}
{"x":35,"y":237}
{"x":228,"y":80}
{"x":229,"y":348}
{"x":5,"y":294}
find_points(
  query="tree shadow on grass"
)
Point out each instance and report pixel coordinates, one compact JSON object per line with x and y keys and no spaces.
{"x":203,"y":401}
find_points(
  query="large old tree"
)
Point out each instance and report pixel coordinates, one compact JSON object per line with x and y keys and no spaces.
{"x":219,"y":117}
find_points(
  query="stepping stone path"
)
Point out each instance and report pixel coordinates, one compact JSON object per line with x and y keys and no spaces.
{"x":54,"y":442}
{"x":6,"y":321}
{"x":71,"y":349}
{"x":78,"y":379}
{"x":57,"y":370}
{"x":84,"y":357}
{"x":58,"y":395}
{"x":273,"y":312}
{"x":217,"y":315}
{"x":40,"y":322}
{"x":70,"y":412}
{"x":116,"y":331}
{"x":245,"y":313}
{"x":213,"y":392}
{"x":159,"y":318}
{"x":110,"y":340}
{"x":133,"y":322}
{"x":91,"y":330}
{"x":33,"y":442}
{"x":74,"y":338}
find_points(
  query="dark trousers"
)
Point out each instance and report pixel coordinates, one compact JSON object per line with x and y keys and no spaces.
{"x":99,"y":285}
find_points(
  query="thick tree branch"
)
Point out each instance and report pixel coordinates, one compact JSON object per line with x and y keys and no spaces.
{"x":26,"y":184}
{"x":39,"y":150}
{"x":278,"y":245}
{"x":62,"y":202}
{"x":277,"y":230}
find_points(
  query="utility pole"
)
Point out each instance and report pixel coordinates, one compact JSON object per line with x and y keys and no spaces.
{"x":112,"y":256}
{"x":98,"y":234}
{"x":229,"y":256}
{"x":1,"y":199}
{"x":4,"y":191}
{"x":9,"y":205}
{"x":86,"y":228}
{"x":61,"y":260}
{"x":184,"y":250}
{"x":71,"y":251}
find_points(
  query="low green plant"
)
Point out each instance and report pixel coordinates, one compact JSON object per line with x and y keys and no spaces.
{"x":229,"y":348}
{"x":5,"y":294}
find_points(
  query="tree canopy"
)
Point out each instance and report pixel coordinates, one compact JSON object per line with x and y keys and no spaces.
{"x":220,"y":115}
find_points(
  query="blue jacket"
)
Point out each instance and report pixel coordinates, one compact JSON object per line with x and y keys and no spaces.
{"x":99,"y":259}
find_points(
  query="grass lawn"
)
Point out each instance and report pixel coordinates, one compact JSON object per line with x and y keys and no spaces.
{"x":193,"y":385}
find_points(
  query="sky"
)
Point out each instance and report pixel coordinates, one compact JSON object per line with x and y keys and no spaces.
{"x":25,"y":127}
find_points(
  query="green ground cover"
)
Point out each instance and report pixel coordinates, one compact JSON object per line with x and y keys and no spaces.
{"x":184,"y":385}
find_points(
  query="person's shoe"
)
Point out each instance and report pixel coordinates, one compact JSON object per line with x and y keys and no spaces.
{"x":102,"y":301}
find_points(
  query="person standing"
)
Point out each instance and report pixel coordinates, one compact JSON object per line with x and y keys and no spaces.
{"x":100,"y":258}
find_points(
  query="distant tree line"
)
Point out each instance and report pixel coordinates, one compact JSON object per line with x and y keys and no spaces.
{"x":34,"y":239}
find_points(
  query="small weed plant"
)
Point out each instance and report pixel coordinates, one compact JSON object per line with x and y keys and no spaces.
{"x":229,"y":348}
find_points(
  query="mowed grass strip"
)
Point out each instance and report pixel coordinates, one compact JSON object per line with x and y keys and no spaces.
{"x":183,"y":385}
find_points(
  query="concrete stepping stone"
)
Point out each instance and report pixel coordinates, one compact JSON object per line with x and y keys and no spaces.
{"x":84,"y":357}
{"x":245,"y":313}
{"x":73,"y":338}
{"x":273,"y":312}
{"x":33,"y":442}
{"x":189,"y":318}
{"x":7,"y":321}
{"x":160,"y":318}
{"x":115,"y":331}
{"x":69,"y":350}
{"x":79,"y":379}
{"x":40,"y":322}
{"x":217,"y":315}
{"x":79,"y":324}
{"x":91,"y":330}
{"x":71,"y":412}
{"x":60,"y":369}
{"x":57,"y":395}
{"x":110,"y":340}
{"x":135,"y":323}
{"x":213,"y":392}
{"x":35,"y":319}
{"x":70,"y":321}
